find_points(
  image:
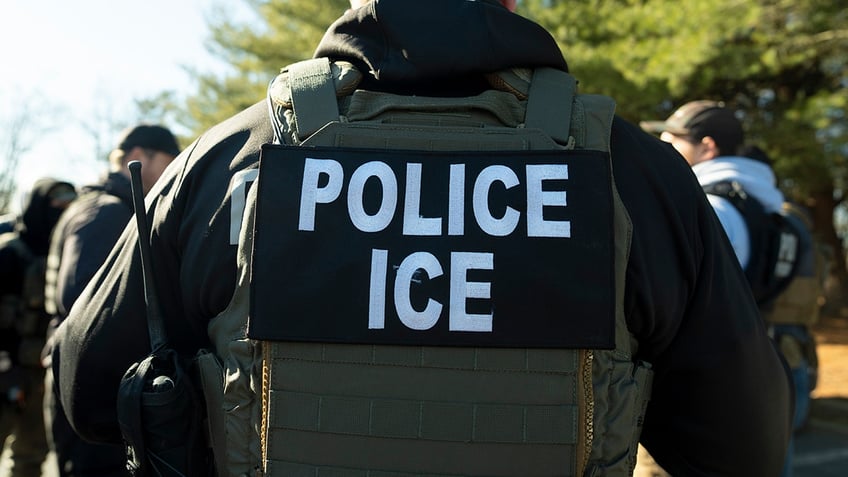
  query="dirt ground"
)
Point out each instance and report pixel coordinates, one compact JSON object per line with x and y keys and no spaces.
{"x":830,"y":398}
{"x":832,"y":345}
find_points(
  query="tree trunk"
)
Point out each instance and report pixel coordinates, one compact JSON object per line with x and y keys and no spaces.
{"x":823,"y":206}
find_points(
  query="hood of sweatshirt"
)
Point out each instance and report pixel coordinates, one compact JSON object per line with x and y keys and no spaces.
{"x":755,"y":177}
{"x":42,"y":208}
{"x":438,"y":46}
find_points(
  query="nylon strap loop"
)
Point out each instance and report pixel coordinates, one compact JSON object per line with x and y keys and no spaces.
{"x":549,"y":102}
{"x":311,"y":84}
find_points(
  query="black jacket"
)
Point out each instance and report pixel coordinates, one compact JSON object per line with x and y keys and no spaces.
{"x":83,"y":238}
{"x":721,"y":399}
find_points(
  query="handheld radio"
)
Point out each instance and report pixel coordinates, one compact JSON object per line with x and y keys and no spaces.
{"x":159,"y":411}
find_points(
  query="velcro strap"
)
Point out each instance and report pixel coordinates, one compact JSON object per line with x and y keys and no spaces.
{"x":549,"y":102}
{"x":311,"y":84}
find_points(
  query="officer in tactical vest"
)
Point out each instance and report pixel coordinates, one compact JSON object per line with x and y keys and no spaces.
{"x":23,"y":324}
{"x":534,"y":309}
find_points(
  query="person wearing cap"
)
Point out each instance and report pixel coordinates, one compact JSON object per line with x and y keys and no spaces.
{"x":23,"y":322}
{"x":682,"y":290}
{"x":82,"y":239}
{"x":710,"y":137}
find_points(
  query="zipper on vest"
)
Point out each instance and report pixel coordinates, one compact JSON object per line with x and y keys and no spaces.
{"x":267,"y":361}
{"x":585,"y":410}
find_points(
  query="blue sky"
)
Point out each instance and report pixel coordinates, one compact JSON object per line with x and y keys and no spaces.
{"x":73,"y":62}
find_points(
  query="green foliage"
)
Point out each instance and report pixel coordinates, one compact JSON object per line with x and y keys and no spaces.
{"x":280,"y":32}
{"x":781,"y":62}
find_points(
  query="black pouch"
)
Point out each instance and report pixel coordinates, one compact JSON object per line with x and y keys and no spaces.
{"x":161,"y":419}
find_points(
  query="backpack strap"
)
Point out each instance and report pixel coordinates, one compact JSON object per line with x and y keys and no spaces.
{"x":774,"y":242}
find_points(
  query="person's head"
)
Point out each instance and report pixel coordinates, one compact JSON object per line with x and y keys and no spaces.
{"x":700,"y":131}
{"x":510,"y":4}
{"x":152,"y":145}
{"x":42,"y":207}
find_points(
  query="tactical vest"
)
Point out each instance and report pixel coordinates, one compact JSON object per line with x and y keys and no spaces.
{"x":288,"y":394}
{"x":24,"y":314}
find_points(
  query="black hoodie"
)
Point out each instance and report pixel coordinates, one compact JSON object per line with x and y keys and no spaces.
{"x":40,"y":213}
{"x":42,"y":207}
{"x":84,"y":236}
{"x":721,"y":398}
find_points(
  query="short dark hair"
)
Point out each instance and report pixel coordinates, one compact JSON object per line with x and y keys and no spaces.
{"x":149,"y":136}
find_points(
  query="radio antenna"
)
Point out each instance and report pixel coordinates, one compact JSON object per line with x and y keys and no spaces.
{"x":155,"y":326}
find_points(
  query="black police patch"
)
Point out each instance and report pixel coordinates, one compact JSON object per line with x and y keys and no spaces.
{"x":509,"y":249}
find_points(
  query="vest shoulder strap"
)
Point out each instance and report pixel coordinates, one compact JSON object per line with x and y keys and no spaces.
{"x":305,"y":97}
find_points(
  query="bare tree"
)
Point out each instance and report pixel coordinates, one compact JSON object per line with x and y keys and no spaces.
{"x":104,"y":120}
{"x":108,"y":115}
{"x":18,"y":132}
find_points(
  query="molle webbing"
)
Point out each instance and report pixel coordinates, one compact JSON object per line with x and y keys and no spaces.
{"x":483,"y":411}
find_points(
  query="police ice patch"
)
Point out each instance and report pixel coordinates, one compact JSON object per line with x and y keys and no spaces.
{"x":500,"y":249}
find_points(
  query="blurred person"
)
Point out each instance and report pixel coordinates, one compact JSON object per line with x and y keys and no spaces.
{"x":709,"y":136}
{"x":82,"y":239}
{"x":791,"y":315}
{"x":687,"y":332}
{"x":23,"y":324}
{"x":7,"y":223}
{"x":797,"y":309}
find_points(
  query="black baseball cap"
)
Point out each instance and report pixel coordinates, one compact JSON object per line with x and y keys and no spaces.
{"x":149,"y":136}
{"x":698,"y":119}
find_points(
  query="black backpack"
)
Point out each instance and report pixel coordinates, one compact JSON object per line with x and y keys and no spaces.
{"x":775,"y":243}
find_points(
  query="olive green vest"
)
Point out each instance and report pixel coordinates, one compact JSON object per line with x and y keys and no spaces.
{"x":335,"y":409}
